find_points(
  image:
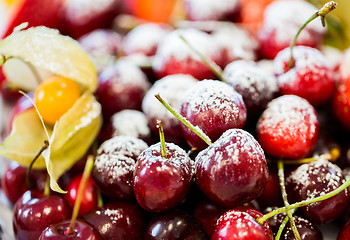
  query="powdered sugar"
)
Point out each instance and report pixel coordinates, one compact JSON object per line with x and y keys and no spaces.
{"x":285,"y":17}
{"x":130,"y":123}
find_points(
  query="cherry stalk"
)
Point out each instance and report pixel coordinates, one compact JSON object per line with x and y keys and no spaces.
{"x":328,"y":7}
{"x":162,"y":138}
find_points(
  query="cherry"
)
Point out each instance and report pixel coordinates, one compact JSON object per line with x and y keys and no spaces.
{"x":253,"y":83}
{"x":232,"y":170}
{"x":103,"y":45}
{"x":89,"y":199}
{"x":201,"y":11}
{"x":33,"y":213}
{"x":121,"y":86}
{"x":114,"y":166}
{"x":174,"y":225}
{"x":82,"y":230}
{"x":282,"y":20}
{"x":131,"y":123}
{"x":288,"y":128}
{"x":81,"y":16}
{"x":271,"y":196}
{"x":172,"y":89}
{"x":13,"y":181}
{"x":341,"y":104}
{"x":344,"y":233}
{"x":207,"y":213}
{"x":214,"y":107}
{"x":316,"y":179}
{"x":240,"y":224}
{"x":310,"y":78}
{"x":118,"y":221}
{"x":173,"y":56}
{"x":162,"y":181}
{"x":55,"y":97}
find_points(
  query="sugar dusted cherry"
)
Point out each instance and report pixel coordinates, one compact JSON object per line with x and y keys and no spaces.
{"x":171,"y":88}
{"x":114,"y":166}
{"x":161,"y":183}
{"x":288,"y":128}
{"x":214,"y":107}
{"x":232,"y":170}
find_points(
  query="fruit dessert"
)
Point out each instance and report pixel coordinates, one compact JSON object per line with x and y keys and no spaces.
{"x":176,"y":129}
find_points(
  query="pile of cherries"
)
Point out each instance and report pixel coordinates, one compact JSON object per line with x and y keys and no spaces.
{"x":262,"y":129}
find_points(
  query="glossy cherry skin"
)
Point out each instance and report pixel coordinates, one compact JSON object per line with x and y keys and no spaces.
{"x":121,"y":86}
{"x":310,"y":78}
{"x":115,"y":164}
{"x":240,"y":224}
{"x":13,"y":181}
{"x":344,"y":233}
{"x":33,"y":213}
{"x":315,"y":179}
{"x":214,"y":107}
{"x":288,"y":128}
{"x":161,"y":183}
{"x":118,"y":221}
{"x":89,"y":199}
{"x":174,"y":225}
{"x":82,"y":230}
{"x":341,"y":103}
{"x":232,"y":170}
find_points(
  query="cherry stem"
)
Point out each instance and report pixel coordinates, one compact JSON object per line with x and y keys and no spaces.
{"x":210,"y":63}
{"x":194,"y":129}
{"x":47,"y":189}
{"x":283,"y":224}
{"x":2,"y":59}
{"x":29,"y":182}
{"x":262,"y":219}
{"x":86,"y":174}
{"x":327,"y":8}
{"x":285,"y":199}
{"x":162,"y":138}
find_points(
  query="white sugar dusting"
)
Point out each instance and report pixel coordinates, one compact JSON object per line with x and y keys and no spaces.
{"x":285,"y":18}
{"x":209,"y":9}
{"x":144,"y":38}
{"x":173,"y":46}
{"x":130,"y":123}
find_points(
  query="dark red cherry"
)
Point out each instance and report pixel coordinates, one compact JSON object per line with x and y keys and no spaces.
{"x":315,"y":179}
{"x":103,"y":46}
{"x":173,"y":56}
{"x":344,"y":233}
{"x":282,"y":19}
{"x":14,"y":184}
{"x":240,"y":224}
{"x":33,"y":213}
{"x":81,"y":16}
{"x":171,"y":88}
{"x":89,"y":198}
{"x":288,"y":128}
{"x":232,"y":170}
{"x":118,"y":221}
{"x":161,"y":183}
{"x":207,"y":213}
{"x":115,"y":164}
{"x":82,"y":230}
{"x":310,"y":78}
{"x":174,"y":225}
{"x":256,"y":86}
{"x":121,"y":86}
{"x":214,"y":107}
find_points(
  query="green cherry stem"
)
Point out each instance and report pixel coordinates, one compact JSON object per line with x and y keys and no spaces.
{"x":328,"y":7}
{"x":283,"y":224}
{"x":196,"y":130}
{"x":210,"y":63}
{"x":86,"y":174}
{"x":162,"y":138}
{"x":47,"y":189}
{"x":262,"y":219}
{"x":285,"y":199}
